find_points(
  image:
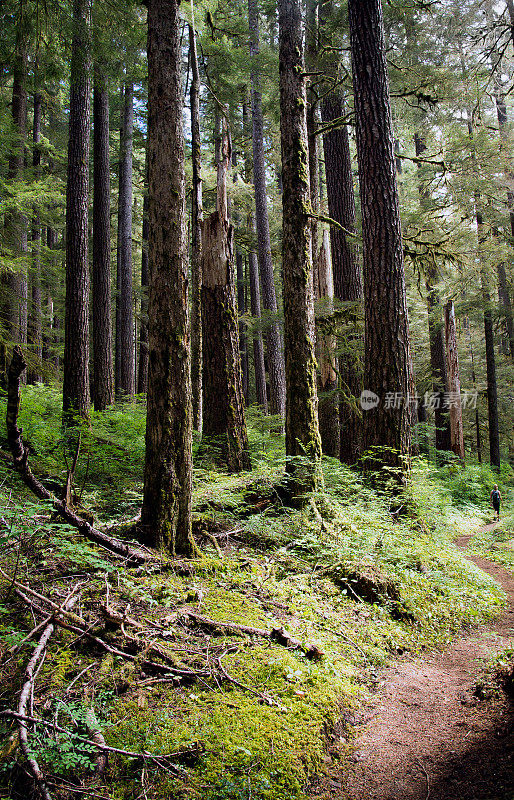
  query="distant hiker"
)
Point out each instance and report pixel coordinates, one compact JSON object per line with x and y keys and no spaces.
{"x":496,"y":499}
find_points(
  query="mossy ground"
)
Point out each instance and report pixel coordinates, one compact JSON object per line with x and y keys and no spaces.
{"x":268,"y":737}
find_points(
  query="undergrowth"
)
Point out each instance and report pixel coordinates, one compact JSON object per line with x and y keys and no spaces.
{"x":349,"y":573}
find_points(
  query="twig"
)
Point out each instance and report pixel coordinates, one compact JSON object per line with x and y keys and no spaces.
{"x":12,"y":650}
{"x":266,"y":698}
{"x":79,"y":676}
{"x":426,"y":776}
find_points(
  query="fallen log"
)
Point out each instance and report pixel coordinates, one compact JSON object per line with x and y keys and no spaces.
{"x":20,"y":455}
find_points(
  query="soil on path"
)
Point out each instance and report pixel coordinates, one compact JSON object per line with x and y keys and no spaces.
{"x":427,"y":736}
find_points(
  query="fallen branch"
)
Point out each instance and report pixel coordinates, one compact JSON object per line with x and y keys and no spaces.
{"x":26,"y":692}
{"x":76,"y":624}
{"x":20,"y":456}
{"x":179,"y":754}
{"x":279,"y":635}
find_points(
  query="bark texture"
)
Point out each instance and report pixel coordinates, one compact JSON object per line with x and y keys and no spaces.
{"x":303,"y":443}
{"x":224,"y":424}
{"x":196,"y":237}
{"x":388,"y":366}
{"x":454,"y":398}
{"x":103,"y":389}
{"x":166,"y":512}
{"x":76,"y":327}
{"x":125,"y":354}
{"x":275,"y":356}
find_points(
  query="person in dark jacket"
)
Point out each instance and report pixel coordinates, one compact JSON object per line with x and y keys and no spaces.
{"x":496,"y":499}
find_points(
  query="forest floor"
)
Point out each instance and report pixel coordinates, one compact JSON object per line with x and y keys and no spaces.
{"x":426,"y":735}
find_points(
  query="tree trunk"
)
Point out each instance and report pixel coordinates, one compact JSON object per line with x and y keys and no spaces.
{"x":76,"y":329}
{"x":258,"y":344}
{"x":35,"y":327}
{"x":346,"y":269}
{"x":501,"y":112}
{"x":327,"y":359}
{"x":345,"y":265}
{"x":311,"y":51}
{"x":166,"y":512}
{"x":303,"y":443}
{"x":490,"y":355}
{"x":241,"y":309}
{"x":124,"y":362}
{"x":255,"y":291}
{"x":454,"y":398}
{"x":275,"y":356}
{"x":55,"y":319}
{"x":142,"y":375}
{"x":435,"y":333}
{"x":224,"y":424}
{"x":16,"y":223}
{"x":196,"y":237}
{"x":103,"y":391}
{"x":387,"y":371}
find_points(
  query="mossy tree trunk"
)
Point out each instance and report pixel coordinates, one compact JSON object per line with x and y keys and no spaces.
{"x":166,"y":512}
{"x":103,"y":388}
{"x":224,"y":424}
{"x":387,"y":369}
{"x":76,"y":323}
{"x":303,"y":443}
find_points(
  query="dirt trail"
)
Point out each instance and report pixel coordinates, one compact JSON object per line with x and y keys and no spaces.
{"x":427,"y":737}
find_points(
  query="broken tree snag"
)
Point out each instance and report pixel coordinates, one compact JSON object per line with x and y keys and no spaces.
{"x":20,"y":456}
{"x":224,"y":424}
{"x":454,"y":398}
